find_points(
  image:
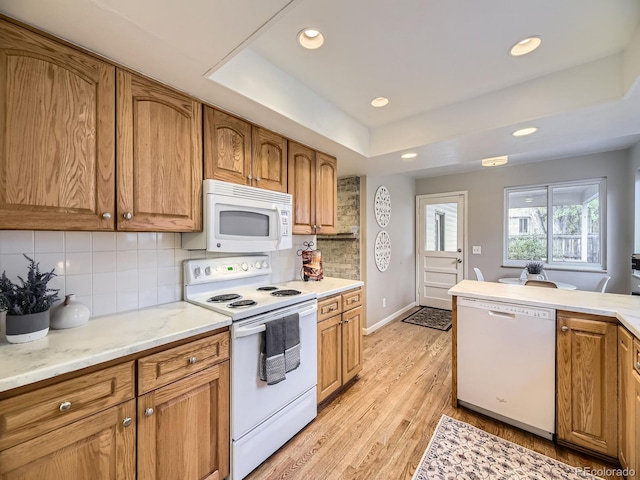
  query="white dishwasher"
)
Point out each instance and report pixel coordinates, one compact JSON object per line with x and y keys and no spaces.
{"x":506,"y":362}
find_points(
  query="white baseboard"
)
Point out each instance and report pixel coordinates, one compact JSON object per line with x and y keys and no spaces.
{"x":386,"y":320}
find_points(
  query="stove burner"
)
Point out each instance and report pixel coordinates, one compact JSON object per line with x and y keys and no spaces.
{"x":285,"y":293}
{"x":266,"y":289}
{"x":243,"y":303}
{"x":224,"y":298}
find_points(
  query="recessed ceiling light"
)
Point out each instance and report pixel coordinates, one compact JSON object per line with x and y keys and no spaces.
{"x":408,"y":156}
{"x":525,"y":131}
{"x":379,"y":102}
{"x":495,"y":161}
{"x":310,"y":38}
{"x":525,"y":46}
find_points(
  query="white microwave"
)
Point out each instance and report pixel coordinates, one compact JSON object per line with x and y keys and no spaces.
{"x":237,"y":218}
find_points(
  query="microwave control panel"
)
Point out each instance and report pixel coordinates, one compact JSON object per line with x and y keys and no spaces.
{"x":285,"y":223}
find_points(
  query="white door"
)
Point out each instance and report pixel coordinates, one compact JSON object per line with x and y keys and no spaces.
{"x":440,"y":247}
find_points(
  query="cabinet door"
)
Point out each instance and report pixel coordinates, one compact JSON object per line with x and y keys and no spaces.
{"x":634,"y":437}
{"x":351,"y":343}
{"x":183,"y":428}
{"x":326,"y":194}
{"x":329,"y":356}
{"x":625,"y":397}
{"x":57,"y":151}
{"x":159,"y":157}
{"x":302,"y":185}
{"x":99,"y":446}
{"x":227,"y":147}
{"x":269,"y":161}
{"x":586,"y":383}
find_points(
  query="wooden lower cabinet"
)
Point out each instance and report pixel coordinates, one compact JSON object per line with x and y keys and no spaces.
{"x":340,"y":320}
{"x":634,"y":439}
{"x":183,"y":428}
{"x":626,"y":412}
{"x":586,"y":410}
{"x":101,"y":446}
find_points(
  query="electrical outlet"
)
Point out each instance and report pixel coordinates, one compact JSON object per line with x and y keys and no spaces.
{"x":477,"y":250}
{"x":384,"y":302}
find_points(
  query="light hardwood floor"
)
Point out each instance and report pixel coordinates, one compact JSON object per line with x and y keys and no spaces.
{"x":380,"y":427}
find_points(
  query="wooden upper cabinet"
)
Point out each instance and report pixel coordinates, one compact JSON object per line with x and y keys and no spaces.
{"x":269,"y":160}
{"x":159,"y":156}
{"x":586,"y":411}
{"x":302,"y":185}
{"x":313,"y":182}
{"x":227,"y":147}
{"x":57,"y":155}
{"x":326,"y":194}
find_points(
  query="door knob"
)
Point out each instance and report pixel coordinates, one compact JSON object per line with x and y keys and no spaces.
{"x":459,"y":250}
{"x":148,"y":412}
{"x":127,"y":215}
{"x":565,"y":328}
{"x":106,"y":215}
{"x":127,"y":421}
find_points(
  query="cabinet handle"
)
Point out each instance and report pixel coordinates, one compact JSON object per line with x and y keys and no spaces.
{"x":459,"y":260}
{"x":64,"y":406}
{"x":331,"y":309}
{"x":638,"y":365}
{"x":565,"y":328}
{"x":347,"y":321}
{"x":127,"y":421}
{"x":106,"y":216}
{"x":250,"y":177}
{"x":257,"y":179}
{"x":148,"y":412}
{"x":192,"y":360}
{"x":127,"y":215}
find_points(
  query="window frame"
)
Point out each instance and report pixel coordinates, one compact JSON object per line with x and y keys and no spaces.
{"x":550,"y":264}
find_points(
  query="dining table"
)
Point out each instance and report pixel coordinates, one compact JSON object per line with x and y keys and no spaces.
{"x":521,"y":281}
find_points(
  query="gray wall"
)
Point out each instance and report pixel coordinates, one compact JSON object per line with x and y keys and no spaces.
{"x":486,"y":211}
{"x":634,"y":207}
{"x":397,"y":283}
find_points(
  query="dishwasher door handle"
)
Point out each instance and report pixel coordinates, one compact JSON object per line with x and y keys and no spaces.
{"x":493,"y":313}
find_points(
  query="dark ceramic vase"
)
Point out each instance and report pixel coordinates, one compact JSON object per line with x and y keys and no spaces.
{"x":27,"y":328}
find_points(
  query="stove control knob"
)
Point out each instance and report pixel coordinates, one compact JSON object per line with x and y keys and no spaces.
{"x":258,"y":265}
{"x":264,"y":264}
{"x":244,"y":266}
{"x":207,"y":271}
{"x":197,"y":272}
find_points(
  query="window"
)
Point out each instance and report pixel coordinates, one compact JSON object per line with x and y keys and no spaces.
{"x":560,"y":224}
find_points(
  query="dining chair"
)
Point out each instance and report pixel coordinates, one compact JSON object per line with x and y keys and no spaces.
{"x":540,"y":283}
{"x":479,"y":275}
{"x":602,"y":284}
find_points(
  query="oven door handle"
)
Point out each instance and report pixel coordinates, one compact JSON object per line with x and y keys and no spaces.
{"x":248,"y":331}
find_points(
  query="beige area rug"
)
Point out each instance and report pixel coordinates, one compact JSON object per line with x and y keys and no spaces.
{"x":459,"y":451}
{"x":431,"y":317}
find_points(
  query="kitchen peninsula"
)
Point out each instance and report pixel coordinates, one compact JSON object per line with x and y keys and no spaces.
{"x":597,"y":367}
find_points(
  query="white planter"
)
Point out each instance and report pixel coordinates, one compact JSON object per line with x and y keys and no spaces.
{"x":535,"y":276}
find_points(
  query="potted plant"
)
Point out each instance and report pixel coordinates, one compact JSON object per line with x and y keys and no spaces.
{"x":534,"y":270}
{"x":27,"y":304}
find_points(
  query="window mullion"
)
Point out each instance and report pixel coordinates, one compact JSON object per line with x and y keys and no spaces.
{"x":549,"y":225}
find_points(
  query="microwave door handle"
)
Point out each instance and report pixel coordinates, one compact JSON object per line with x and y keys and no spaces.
{"x":279,"y":214}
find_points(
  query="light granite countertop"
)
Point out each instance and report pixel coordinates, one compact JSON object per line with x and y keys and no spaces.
{"x":626,"y":308}
{"x":102,"y":339}
{"x":324,"y":288}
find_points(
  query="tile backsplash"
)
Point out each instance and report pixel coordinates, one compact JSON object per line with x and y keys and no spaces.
{"x":116,"y":271}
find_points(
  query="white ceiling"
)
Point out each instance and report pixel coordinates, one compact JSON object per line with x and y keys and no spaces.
{"x":455,"y":93}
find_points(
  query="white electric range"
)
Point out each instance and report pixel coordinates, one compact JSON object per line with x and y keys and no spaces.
{"x":263,"y":417}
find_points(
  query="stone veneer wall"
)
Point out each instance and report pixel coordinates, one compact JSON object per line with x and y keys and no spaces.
{"x":341,"y":254}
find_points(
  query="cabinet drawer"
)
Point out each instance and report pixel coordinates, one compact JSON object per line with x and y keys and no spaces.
{"x":165,"y":367}
{"x":636,"y":355}
{"x":31,"y":414}
{"x":329,"y":307}
{"x":352,"y":299}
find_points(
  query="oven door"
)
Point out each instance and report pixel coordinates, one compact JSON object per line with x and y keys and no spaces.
{"x":252,"y":400}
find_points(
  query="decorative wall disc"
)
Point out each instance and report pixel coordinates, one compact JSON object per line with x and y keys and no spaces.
{"x":383,"y":250}
{"x":382,"y":206}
